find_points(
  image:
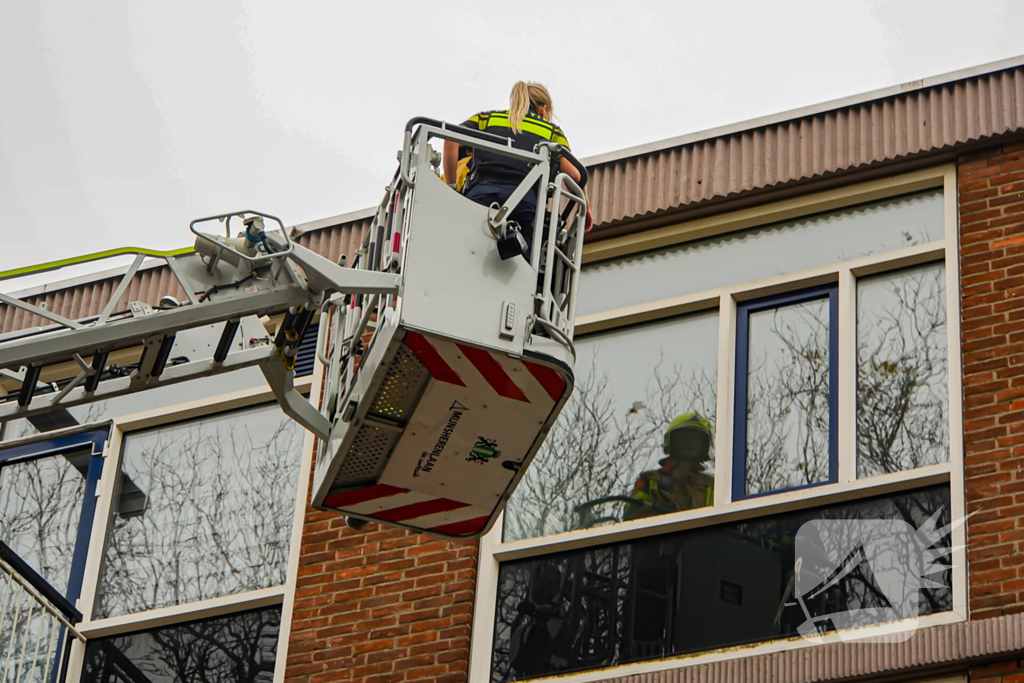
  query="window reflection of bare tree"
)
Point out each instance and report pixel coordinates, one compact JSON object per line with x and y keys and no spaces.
{"x":902,"y":407}
{"x":788,"y":401}
{"x":235,"y":649}
{"x":40,"y":504}
{"x":600,"y":444}
{"x":219,"y":515}
{"x":902,"y":414}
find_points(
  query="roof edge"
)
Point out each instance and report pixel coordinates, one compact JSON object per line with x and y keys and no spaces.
{"x":331,"y":221}
{"x":809,"y":110}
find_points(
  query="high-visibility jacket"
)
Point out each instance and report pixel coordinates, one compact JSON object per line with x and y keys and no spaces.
{"x":487,"y":165}
{"x":665,"y":493}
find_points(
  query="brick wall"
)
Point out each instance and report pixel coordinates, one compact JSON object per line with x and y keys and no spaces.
{"x":1001,"y":672}
{"x":991,"y":188}
{"x":380,"y":605}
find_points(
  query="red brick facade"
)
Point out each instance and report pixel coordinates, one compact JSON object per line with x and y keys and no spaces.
{"x":1001,"y":672}
{"x":991,"y":188}
{"x":380,"y":605}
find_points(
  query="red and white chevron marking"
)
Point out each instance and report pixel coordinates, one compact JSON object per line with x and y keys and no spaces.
{"x":429,"y":482}
{"x":394,"y":504}
{"x":440,"y":355}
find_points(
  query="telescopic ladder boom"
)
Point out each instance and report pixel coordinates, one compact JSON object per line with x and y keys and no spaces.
{"x":445,"y":364}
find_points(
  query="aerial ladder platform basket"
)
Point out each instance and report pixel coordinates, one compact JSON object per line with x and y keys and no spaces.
{"x":445,"y":364}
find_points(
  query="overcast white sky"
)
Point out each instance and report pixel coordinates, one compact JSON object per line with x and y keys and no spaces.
{"x":121,"y":121}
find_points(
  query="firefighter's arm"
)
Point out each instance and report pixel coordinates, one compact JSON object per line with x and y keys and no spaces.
{"x":565,"y":166}
{"x":450,"y":161}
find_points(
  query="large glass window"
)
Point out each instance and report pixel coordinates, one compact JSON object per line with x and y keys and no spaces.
{"x":763,"y":252}
{"x":786,"y":392}
{"x":47,"y":500}
{"x":840,"y":373}
{"x":233,"y":649}
{"x":636,"y":437}
{"x":219,"y":496}
{"x":800,"y":573}
{"x":40,"y":506}
{"x":902,"y":371}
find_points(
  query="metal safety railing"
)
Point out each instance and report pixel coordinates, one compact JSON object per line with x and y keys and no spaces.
{"x":37,"y":624}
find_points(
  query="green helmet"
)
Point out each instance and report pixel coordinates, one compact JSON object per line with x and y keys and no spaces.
{"x":685,"y":428}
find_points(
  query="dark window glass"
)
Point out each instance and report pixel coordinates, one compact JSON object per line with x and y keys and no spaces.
{"x":731,"y":584}
{"x":240,"y":648}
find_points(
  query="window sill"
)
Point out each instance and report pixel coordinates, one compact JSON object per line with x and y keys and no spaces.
{"x":214,"y":607}
{"x":739,"y":652}
{"x":744,"y":509}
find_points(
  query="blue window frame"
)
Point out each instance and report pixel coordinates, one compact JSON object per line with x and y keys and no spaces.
{"x":88,"y":443}
{"x":799,"y":386}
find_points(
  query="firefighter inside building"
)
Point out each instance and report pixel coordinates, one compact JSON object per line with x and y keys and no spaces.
{"x":493,"y":178}
{"x":680,"y":482}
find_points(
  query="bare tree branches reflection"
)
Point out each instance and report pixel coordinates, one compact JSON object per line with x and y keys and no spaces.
{"x":788,"y":397}
{"x":902,"y":372}
{"x":218,"y":520}
{"x":235,"y":649}
{"x":40,"y":506}
{"x":602,"y":441}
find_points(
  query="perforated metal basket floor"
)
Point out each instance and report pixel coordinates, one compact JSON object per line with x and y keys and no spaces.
{"x":398,"y":395}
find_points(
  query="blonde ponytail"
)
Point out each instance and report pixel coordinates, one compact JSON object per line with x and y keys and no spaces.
{"x":525,"y":95}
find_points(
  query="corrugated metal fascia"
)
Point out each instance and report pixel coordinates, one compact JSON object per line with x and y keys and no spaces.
{"x":336,"y":240}
{"x":892,"y":129}
{"x":89,"y":298}
{"x":935,"y":649}
{"x":809,"y":110}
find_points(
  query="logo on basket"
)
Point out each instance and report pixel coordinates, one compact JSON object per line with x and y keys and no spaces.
{"x":427,"y":460}
{"x":483,"y":450}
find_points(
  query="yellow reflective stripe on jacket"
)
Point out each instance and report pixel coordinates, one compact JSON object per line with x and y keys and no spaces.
{"x":544,"y":130}
{"x":531,"y":124}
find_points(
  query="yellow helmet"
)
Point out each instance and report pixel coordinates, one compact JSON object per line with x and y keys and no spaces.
{"x":683,"y":429}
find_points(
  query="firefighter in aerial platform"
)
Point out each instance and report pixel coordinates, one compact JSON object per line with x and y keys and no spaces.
{"x":680,"y":483}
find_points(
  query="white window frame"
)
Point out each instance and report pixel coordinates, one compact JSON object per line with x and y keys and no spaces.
{"x":282,"y":594}
{"x":946,"y":251}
